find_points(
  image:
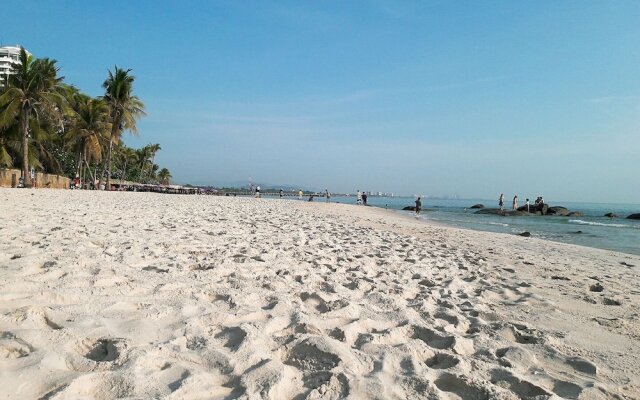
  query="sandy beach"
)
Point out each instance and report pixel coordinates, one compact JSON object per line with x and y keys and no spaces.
{"x":141,"y":295}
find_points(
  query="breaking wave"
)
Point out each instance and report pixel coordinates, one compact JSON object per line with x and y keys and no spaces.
{"x":581,"y":222}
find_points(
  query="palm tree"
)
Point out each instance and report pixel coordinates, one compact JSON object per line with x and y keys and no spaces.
{"x":126,"y":159}
{"x":88,"y":131}
{"x":151,"y":151}
{"x":5,"y":147}
{"x":124,"y":111}
{"x":144,"y":156}
{"x":33,"y":91}
{"x":164,"y":176}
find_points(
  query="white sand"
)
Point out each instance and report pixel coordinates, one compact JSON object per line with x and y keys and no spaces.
{"x":136,"y":295}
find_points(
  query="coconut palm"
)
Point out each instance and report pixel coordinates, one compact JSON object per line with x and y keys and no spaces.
{"x":88,"y":130}
{"x":126,"y":160}
{"x":9,"y":145}
{"x":164,"y":176}
{"x":33,"y":93}
{"x":5,"y":148}
{"x":124,"y":111}
{"x":144,"y":157}
{"x":150,"y":151}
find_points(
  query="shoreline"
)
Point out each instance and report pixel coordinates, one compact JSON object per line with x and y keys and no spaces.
{"x":138,"y":295}
{"x":443,"y":224}
{"x":404,"y":215}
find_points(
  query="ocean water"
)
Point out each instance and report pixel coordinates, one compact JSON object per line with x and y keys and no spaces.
{"x":592,"y":230}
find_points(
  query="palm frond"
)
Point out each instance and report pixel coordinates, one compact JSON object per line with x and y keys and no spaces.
{"x":5,"y":158}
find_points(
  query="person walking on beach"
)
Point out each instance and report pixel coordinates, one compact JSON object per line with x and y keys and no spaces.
{"x":327,"y":195}
{"x":364,"y":198}
{"x":281,"y":193}
{"x":358,"y":197}
{"x":257,"y":192}
{"x":32,"y":173}
{"x":501,"y":201}
{"x":515,"y":202}
{"x":300,"y":194}
{"x":418,"y":206}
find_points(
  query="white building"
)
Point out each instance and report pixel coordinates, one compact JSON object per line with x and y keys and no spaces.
{"x":8,"y":55}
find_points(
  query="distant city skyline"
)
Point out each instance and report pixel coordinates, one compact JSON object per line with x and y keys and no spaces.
{"x":409,"y":97}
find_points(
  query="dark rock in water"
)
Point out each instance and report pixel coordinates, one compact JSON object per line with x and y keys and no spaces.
{"x":611,"y":215}
{"x":525,"y":234}
{"x":538,"y":209}
{"x":477,"y":206}
{"x":494,"y":211}
{"x":512,"y":213}
{"x":409,"y":208}
{"x":504,"y":213}
{"x":575,"y":214}
{"x":559,"y":211}
{"x":577,"y":232}
{"x":634,"y":216}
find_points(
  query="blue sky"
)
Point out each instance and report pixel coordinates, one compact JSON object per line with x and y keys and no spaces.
{"x":440,"y":97}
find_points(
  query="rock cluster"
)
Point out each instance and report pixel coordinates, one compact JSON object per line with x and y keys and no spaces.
{"x":535,"y":209}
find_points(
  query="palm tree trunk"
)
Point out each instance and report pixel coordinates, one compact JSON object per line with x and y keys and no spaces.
{"x":93,"y":177}
{"x":108,"y":186}
{"x":25,"y":146}
{"x":153,"y":158}
{"x":144,"y":162}
{"x":83,"y":170}
{"x":124,"y":170}
{"x":107,"y":164}
{"x":80,"y":156}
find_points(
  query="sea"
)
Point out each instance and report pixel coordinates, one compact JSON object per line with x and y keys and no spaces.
{"x":592,"y":229}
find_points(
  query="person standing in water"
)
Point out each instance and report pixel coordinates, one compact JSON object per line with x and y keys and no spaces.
{"x":364,"y":198}
{"x":418,"y":206}
{"x":515,"y":202}
{"x":358,"y":197}
{"x":281,"y":193}
{"x":501,"y":201}
{"x":327,"y":195}
{"x":300,"y":194}
{"x":527,"y":206}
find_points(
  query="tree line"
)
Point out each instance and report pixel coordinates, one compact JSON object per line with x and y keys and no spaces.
{"x":53,"y":127}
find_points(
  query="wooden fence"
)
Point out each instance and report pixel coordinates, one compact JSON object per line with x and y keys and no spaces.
{"x":10,"y":178}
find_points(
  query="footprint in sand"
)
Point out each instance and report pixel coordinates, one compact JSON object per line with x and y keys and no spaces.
{"x":522,"y":334}
{"x":234,"y":337}
{"x":433,"y":339}
{"x":97,"y":354}
{"x":459,"y":387}
{"x":442,"y":361}
{"x":12,"y":347}
{"x":582,"y":365}
{"x":315,"y":364}
{"x":567,"y":390}
{"x":104,"y":350}
{"x":522,"y":388}
{"x":315,"y":302}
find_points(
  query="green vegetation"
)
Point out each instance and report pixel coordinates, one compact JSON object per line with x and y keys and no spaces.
{"x":52,"y":127}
